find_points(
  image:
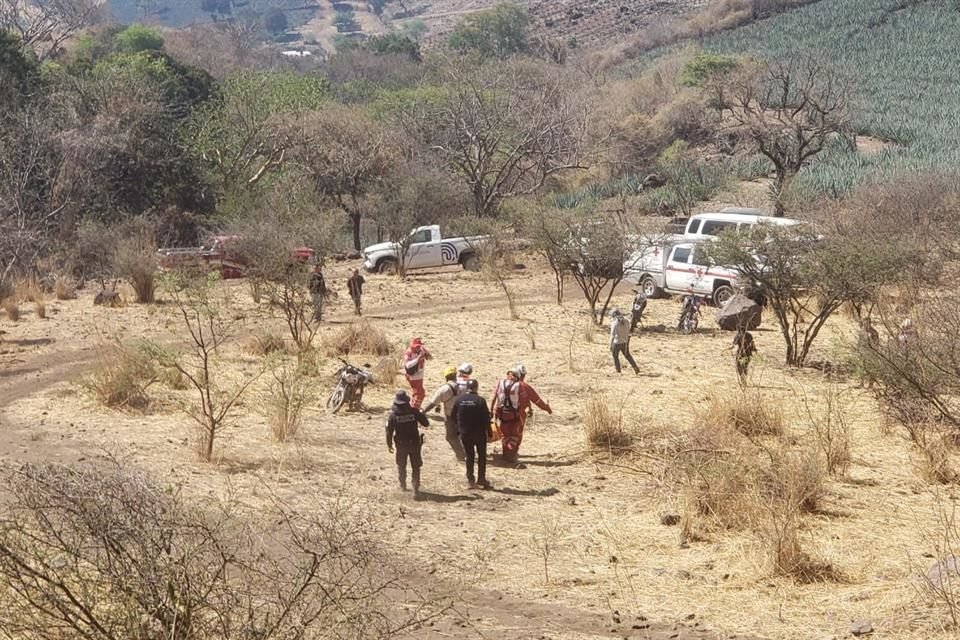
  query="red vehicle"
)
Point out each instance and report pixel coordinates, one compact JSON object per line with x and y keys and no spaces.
{"x":216,"y":255}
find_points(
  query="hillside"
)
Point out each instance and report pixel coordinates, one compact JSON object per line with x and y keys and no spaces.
{"x":895,"y":53}
{"x":588,"y":23}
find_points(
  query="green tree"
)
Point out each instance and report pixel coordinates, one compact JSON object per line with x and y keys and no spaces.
{"x":393,"y":44}
{"x":18,"y":70}
{"x":136,"y":38}
{"x":495,"y":33}
{"x":275,"y":21}
{"x":805,"y":278}
{"x":235,"y":134}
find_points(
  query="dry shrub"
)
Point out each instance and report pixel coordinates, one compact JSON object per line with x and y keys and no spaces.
{"x":781,"y":539}
{"x":40,"y":309}
{"x":64,"y":288}
{"x":289,"y":393}
{"x":122,"y":376}
{"x":359,"y":337}
{"x":831,"y":429}
{"x":12,"y":309}
{"x":604,"y":424}
{"x":29,"y":290}
{"x":135,"y":260}
{"x":387,"y":370}
{"x":265,"y":343}
{"x":746,"y":412}
{"x":589,"y":332}
{"x":174,"y":379}
{"x":934,"y":464}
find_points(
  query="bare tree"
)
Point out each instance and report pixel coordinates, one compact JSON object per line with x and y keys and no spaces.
{"x":805,"y":278}
{"x":45,"y":26}
{"x":788,"y":110}
{"x":505,"y":128}
{"x":104,"y":552}
{"x":208,"y":328}
{"x":345,"y":155}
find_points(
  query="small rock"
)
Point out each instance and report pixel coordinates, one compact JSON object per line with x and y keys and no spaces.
{"x":861,"y":627}
{"x":670,"y":519}
{"x":572,"y":501}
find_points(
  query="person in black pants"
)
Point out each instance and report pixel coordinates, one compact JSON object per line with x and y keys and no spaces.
{"x":473,"y":422}
{"x":403,"y":432}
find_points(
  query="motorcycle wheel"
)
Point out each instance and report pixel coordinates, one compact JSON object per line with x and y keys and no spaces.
{"x":335,"y":401}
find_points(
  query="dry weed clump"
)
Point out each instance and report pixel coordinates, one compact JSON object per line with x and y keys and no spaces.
{"x":265,"y":343}
{"x":831,"y":428}
{"x":40,"y":310}
{"x":934,"y":465}
{"x":359,"y":337}
{"x":29,"y":290}
{"x":387,"y":370}
{"x":122,"y":376}
{"x":747,"y":412}
{"x":604,"y":424}
{"x":289,"y":392}
{"x":12,"y":309}
{"x":64,"y":288}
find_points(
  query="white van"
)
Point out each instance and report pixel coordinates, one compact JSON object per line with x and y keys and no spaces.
{"x":707,"y":225}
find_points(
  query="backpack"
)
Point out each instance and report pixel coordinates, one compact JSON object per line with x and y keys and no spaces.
{"x":506,"y":409}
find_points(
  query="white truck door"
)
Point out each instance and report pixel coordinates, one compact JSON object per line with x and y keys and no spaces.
{"x":679,"y":274}
{"x":702,"y":283}
{"x":423,"y":251}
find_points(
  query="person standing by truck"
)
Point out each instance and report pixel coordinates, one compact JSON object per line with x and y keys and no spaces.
{"x":318,"y":291}
{"x":414,"y":362}
{"x":745,"y":348}
{"x":620,"y":340}
{"x":355,"y":287}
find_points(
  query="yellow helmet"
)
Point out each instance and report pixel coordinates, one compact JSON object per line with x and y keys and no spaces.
{"x":450,"y":372}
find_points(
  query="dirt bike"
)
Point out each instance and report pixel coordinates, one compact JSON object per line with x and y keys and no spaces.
{"x":351,"y":381}
{"x":690,"y":314}
{"x":636,"y":315}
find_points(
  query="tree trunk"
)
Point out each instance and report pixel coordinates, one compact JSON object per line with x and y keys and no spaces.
{"x":778,"y":187}
{"x":355,"y":219}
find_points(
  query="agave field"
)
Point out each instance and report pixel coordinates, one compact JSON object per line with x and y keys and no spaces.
{"x":902,"y":58}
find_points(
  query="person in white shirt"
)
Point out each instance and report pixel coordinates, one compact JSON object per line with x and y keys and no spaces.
{"x":620,"y":340}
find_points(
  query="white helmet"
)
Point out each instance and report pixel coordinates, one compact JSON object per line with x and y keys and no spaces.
{"x":465,"y":368}
{"x":520,"y":369}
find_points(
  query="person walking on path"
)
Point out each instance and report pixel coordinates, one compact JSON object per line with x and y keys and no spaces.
{"x":745,"y":348}
{"x":404,"y":434}
{"x":355,"y":287}
{"x":473,"y":422}
{"x":318,"y":291}
{"x":620,"y":340}
{"x":414,"y":362}
{"x":512,"y":400}
{"x":445,"y":396}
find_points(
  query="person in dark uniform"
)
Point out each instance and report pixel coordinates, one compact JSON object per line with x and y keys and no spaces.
{"x":404,"y":434}
{"x":745,"y":348}
{"x":473,"y":423}
{"x":355,"y":287}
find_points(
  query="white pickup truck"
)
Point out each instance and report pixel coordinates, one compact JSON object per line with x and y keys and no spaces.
{"x":424,"y":248}
{"x":680,"y":268}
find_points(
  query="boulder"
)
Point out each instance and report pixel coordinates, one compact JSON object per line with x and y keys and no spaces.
{"x":107,"y":298}
{"x":944,"y":574}
{"x":739,"y":311}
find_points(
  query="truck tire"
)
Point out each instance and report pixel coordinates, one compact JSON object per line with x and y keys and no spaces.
{"x":470,"y":262}
{"x":649,"y":287}
{"x":387,"y":266}
{"x":721,"y":294}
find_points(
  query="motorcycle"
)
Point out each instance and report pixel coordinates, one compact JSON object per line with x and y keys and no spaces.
{"x":639,"y":305}
{"x":690,"y":314}
{"x":351,"y":381}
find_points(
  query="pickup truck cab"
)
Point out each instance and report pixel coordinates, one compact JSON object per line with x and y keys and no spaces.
{"x":219,"y":254}
{"x":424,"y":248}
{"x":680,"y":268}
{"x":703,"y":226}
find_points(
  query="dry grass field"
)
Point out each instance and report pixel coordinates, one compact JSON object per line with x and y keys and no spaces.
{"x":572,"y":534}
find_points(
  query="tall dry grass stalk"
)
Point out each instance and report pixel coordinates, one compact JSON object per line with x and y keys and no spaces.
{"x":747,"y":412}
{"x":121,"y":377}
{"x":604,"y":424}
{"x":359,"y":337}
{"x":289,"y":393}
